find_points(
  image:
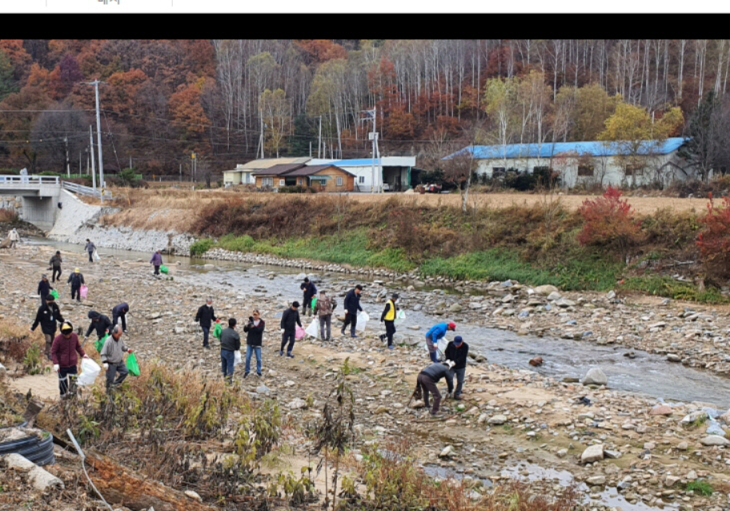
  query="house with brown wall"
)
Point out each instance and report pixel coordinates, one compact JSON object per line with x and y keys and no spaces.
{"x":324,"y":178}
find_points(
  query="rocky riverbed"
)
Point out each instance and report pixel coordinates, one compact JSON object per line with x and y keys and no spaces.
{"x":623,"y":450}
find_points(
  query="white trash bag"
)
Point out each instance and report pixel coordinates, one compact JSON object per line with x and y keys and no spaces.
{"x":440,"y":348}
{"x":237,"y":359}
{"x":362,"y":319}
{"x":400,"y":316}
{"x":313,"y":329}
{"x":96,"y":255}
{"x":89,"y":371}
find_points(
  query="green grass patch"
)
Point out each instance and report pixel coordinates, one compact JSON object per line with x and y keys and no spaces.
{"x":700,"y":488}
{"x":352,"y":248}
{"x":659,"y":285}
{"x":200,"y":247}
{"x":581,"y":271}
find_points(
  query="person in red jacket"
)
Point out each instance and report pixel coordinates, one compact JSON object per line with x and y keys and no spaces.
{"x":63,"y":353}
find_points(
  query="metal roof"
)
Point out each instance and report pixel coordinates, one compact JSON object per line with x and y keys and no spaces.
{"x":278,"y":170}
{"x":269,"y":162}
{"x":386,"y":161}
{"x":595,"y":148}
{"x":313,"y":169}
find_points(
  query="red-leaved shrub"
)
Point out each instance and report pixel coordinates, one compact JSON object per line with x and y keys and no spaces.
{"x":714,"y":241}
{"x":609,"y":222}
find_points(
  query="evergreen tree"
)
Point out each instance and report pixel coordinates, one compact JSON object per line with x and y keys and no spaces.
{"x":7,"y":84}
{"x":304,"y":133}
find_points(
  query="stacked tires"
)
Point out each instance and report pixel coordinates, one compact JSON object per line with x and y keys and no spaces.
{"x":35,"y":449}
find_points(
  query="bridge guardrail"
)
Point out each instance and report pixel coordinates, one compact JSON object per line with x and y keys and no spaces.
{"x":86,"y":190}
{"x":10,"y":181}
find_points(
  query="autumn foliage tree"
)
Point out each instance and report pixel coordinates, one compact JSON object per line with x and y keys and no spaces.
{"x":609,"y":223}
{"x":714,"y":241}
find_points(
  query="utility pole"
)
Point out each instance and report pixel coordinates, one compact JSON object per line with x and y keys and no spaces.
{"x":80,"y":163}
{"x":130,"y":161}
{"x":192,"y":169}
{"x":181,"y":172}
{"x":96,"y":83}
{"x":91,"y":150}
{"x":310,"y":148}
{"x":68,"y":166}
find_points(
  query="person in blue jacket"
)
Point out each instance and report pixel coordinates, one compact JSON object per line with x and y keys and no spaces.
{"x":352,"y":305}
{"x":433,"y":335}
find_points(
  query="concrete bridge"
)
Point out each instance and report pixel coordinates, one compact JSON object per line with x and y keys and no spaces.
{"x":42,"y":197}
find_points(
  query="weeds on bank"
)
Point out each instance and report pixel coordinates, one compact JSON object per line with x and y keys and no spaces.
{"x":178,"y":420}
{"x":393,"y":481}
{"x":700,"y":488}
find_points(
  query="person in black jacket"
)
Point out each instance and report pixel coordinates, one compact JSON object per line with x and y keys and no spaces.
{"x":352,"y":305}
{"x":309,"y":291}
{"x":99,"y":322}
{"x":44,"y":287}
{"x":429,"y":377}
{"x":77,"y":280}
{"x":289,"y":321}
{"x":230,"y":343}
{"x":48,"y":316}
{"x":205,"y":316}
{"x":457,"y":351}
{"x":120,"y":311}
{"x":388,"y":317}
{"x":255,"y":334}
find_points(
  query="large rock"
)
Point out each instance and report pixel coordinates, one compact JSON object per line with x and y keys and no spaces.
{"x":554,"y":296}
{"x":661,"y":410}
{"x":714,"y":440}
{"x":497,"y":420}
{"x":598,"y":480}
{"x":592,"y":454}
{"x":546,"y":290}
{"x":455,"y":308}
{"x":595,"y":377}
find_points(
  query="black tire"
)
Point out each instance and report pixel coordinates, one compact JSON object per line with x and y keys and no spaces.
{"x":39,"y":451}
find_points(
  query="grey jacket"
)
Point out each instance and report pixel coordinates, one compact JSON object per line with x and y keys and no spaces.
{"x":230,"y":340}
{"x":437,"y":371}
{"x":113,"y":350}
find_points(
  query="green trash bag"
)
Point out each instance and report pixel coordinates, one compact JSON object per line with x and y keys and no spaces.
{"x":217,"y":331}
{"x":54,"y":294}
{"x":314,"y":302}
{"x":164,"y":269}
{"x":100,"y":343}
{"x":132,"y":365}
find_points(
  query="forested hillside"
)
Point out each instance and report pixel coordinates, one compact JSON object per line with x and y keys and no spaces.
{"x":163,"y":100}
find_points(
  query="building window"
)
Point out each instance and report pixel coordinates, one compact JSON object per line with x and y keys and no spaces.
{"x":267,"y":181}
{"x":339,"y":181}
{"x":497,"y":170}
{"x":633,"y":169}
{"x":585,"y":170}
{"x":361,"y":179}
{"x":281,"y":182}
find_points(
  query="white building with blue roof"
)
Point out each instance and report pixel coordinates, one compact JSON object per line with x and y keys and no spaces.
{"x":392,"y":173}
{"x":621,"y":163}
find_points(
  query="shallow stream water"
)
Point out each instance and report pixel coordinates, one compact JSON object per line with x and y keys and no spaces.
{"x":647,"y":374}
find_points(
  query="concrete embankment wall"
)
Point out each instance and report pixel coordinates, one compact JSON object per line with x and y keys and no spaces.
{"x":78,"y":221}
